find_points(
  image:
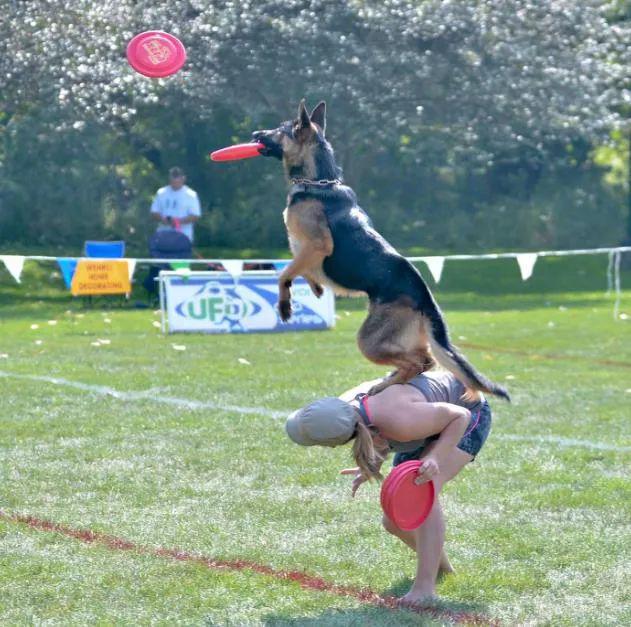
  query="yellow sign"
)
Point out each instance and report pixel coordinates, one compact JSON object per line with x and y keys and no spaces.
{"x":100,"y":277}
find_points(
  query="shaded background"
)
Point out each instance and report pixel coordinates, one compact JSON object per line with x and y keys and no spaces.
{"x":462,"y":126}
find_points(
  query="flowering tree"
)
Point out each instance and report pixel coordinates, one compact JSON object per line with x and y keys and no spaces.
{"x":475,"y":85}
{"x":486,"y":71}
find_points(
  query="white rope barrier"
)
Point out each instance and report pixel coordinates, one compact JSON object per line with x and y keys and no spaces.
{"x":435,"y":263}
{"x":540,"y":253}
{"x":509,"y":255}
{"x":616,"y":283}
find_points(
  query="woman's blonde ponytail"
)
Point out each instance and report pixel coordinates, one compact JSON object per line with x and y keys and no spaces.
{"x":366,"y":456}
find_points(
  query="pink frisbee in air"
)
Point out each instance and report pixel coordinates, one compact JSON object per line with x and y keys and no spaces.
{"x":238,"y":151}
{"x":156,"y":54}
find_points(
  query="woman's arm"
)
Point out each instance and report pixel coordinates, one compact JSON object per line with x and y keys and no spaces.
{"x":438,"y":451}
{"x":450,"y":436}
{"x":404,"y":417}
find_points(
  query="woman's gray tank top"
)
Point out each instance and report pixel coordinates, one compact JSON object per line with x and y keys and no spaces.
{"x":437,"y":386}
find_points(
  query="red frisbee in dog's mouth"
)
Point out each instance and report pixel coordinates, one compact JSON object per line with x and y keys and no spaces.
{"x":238,"y":151}
{"x":156,"y":54}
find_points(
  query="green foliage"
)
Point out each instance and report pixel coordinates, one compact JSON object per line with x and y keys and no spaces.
{"x":461,"y":125}
{"x":615,"y":157}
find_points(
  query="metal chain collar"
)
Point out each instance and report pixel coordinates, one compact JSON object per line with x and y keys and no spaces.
{"x":320,"y":183}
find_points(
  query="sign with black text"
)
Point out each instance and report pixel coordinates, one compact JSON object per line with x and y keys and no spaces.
{"x":215,"y":302}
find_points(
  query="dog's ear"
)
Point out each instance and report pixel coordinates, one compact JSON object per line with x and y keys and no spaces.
{"x":303,"y":116}
{"x":318,"y":116}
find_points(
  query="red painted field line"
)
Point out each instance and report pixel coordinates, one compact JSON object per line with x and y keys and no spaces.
{"x":543,"y":356}
{"x":309,"y":582}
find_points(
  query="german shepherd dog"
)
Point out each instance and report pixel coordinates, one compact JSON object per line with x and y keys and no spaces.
{"x":333,"y":242}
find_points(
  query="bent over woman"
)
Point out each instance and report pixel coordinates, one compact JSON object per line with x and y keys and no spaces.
{"x":429,"y":419}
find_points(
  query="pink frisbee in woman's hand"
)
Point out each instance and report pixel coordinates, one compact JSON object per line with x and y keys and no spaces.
{"x":156,"y":54}
{"x":405,"y":503}
{"x":239,"y":151}
{"x":388,"y":485}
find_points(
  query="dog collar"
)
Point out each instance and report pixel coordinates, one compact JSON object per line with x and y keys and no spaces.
{"x":320,"y":183}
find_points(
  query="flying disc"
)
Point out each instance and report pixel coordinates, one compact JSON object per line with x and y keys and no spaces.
{"x":404,"y":472}
{"x":386,"y":487}
{"x":384,"y":492}
{"x":404,"y":502}
{"x":238,"y":151}
{"x":409,"y":504}
{"x":390,"y":481}
{"x":156,"y":54}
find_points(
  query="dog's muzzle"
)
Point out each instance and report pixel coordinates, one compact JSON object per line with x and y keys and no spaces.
{"x":272,"y":148}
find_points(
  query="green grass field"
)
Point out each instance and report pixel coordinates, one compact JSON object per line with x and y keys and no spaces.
{"x":103,"y":438}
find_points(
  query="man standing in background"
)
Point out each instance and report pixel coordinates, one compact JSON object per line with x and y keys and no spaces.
{"x":176,"y":206}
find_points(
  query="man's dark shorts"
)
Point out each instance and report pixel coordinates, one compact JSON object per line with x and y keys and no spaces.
{"x":472,"y":441}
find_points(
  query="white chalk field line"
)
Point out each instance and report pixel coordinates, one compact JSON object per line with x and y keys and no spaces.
{"x":184,"y":403}
{"x":146,"y":395}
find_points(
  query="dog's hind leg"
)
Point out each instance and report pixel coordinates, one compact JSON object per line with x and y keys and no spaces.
{"x":406,"y":370}
{"x":393,"y":334}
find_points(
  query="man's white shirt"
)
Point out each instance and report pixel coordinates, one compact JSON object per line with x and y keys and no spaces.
{"x":179,"y":204}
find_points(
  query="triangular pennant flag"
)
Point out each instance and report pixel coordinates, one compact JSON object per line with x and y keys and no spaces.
{"x":435,"y":265}
{"x":14,"y":264}
{"x":131,"y":266}
{"x":526,"y":263}
{"x":279,"y":266}
{"x":67,"y":265}
{"x":233,"y":266}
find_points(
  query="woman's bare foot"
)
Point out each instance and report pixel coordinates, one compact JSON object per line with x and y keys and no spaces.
{"x":418,"y":597}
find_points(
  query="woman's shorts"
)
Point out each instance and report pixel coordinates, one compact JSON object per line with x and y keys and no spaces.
{"x":472,"y":441}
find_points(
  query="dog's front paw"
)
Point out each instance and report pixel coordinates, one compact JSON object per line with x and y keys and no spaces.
{"x":317,"y":289}
{"x":284,"y":309}
{"x":387,"y":381}
{"x":380,"y":387}
{"x":427,"y":364}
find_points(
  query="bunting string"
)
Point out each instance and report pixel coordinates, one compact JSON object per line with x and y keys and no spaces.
{"x":435,"y":264}
{"x":508,"y":255}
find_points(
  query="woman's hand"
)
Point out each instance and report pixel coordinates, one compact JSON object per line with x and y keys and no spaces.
{"x":429,"y":469}
{"x":357,"y":481}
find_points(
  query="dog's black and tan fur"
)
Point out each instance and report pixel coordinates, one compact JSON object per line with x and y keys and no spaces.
{"x":334,"y":242}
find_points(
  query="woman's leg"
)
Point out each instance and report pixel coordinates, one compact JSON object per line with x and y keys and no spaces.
{"x":430,"y":536}
{"x":409,"y":538}
{"x":430,"y":540}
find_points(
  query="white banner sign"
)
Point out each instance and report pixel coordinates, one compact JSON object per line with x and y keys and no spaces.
{"x":213,"y":302}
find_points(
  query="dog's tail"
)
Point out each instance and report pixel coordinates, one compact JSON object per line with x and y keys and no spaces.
{"x":449,"y":357}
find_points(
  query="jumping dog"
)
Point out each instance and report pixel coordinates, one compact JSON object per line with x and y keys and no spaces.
{"x":333,"y":242}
